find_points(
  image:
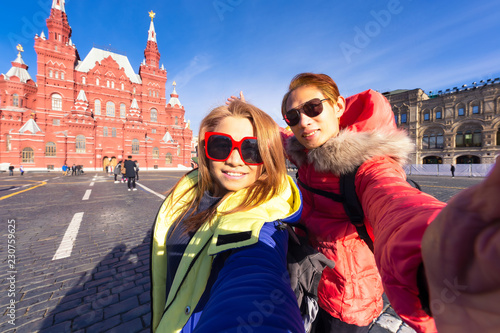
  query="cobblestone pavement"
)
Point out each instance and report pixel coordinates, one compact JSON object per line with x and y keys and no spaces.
{"x":103,"y":284}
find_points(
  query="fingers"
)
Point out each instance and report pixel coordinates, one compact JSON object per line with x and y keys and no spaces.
{"x":242,"y":97}
{"x":233,"y":98}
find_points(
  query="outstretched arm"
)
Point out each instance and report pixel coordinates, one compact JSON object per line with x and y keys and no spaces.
{"x":461,"y":253}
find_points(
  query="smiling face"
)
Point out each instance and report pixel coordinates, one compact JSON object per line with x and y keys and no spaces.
{"x":312,"y":132}
{"x":233,"y":174}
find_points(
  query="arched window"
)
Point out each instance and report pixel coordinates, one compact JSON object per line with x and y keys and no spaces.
{"x":168,"y":158}
{"x":56,"y":102}
{"x":179,"y":150}
{"x":123,"y":110}
{"x":50,"y":149}
{"x":107,"y":83}
{"x":113,"y":84}
{"x":439,"y":113}
{"x":403,"y":118}
{"x":15,"y":100}
{"x":113,"y":132}
{"x":62,"y":75}
{"x":154,"y":115}
{"x":461,"y":110}
{"x":110,"y":109}
{"x":176,"y":120}
{"x":156,"y":153}
{"x":475,"y":108}
{"x":433,"y":139}
{"x":28,"y":155}
{"x":135,"y":146}
{"x":105,"y":131}
{"x":123,"y":86}
{"x":80,"y":144}
{"x":57,"y":74}
{"x":50,"y":73}
{"x":427,"y":115}
{"x":133,"y":90}
{"x":84,"y":79}
{"x":97,"y":81}
{"x":97,"y":107}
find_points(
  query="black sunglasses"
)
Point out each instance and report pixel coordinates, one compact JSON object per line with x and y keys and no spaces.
{"x":219,"y":146}
{"x":311,"y":108}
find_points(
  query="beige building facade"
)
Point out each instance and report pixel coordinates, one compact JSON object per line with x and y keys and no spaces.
{"x":455,"y":126}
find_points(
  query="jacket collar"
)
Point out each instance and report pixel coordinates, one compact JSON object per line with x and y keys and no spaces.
{"x":348,"y":150}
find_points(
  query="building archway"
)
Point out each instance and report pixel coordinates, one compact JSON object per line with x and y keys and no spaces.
{"x":105,"y":163}
{"x":468,"y":159}
{"x":432,"y":160}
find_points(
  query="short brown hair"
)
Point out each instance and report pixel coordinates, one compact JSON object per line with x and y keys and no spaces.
{"x":323,"y":82}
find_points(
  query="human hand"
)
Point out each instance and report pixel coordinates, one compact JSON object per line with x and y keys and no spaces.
{"x":461,"y":254}
{"x":233,"y":98}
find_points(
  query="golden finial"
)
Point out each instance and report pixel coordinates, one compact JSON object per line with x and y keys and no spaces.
{"x":19,"y":48}
{"x":152,"y":15}
{"x":174,"y":84}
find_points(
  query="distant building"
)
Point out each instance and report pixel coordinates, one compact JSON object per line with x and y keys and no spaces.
{"x":92,"y":112}
{"x":457,"y":126}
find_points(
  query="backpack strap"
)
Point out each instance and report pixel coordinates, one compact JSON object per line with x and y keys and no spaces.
{"x":349,"y":200}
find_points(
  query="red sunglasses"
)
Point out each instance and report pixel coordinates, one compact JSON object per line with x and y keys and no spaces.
{"x":219,"y":146}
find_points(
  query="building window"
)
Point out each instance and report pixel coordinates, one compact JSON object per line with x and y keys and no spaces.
{"x":80,"y":144}
{"x":57,"y":74}
{"x":8,"y":144}
{"x":62,"y":75}
{"x":176,"y":120}
{"x":461,"y":111}
{"x":168,"y":158}
{"x":28,"y":155}
{"x":477,"y":138}
{"x":133,"y":90}
{"x":403,"y":118}
{"x":153,"y":130}
{"x":50,"y":149}
{"x":107,"y":83}
{"x":475,"y":109}
{"x":110,"y":109}
{"x":97,"y":107}
{"x":113,"y":132}
{"x":123,"y":86}
{"x":154,"y":115}
{"x":15,"y":100}
{"x":56,"y":102}
{"x":427,"y":116}
{"x":84,"y":80}
{"x":149,"y":92}
{"x":396,"y":118}
{"x":97,"y":81}
{"x":113,"y":84}
{"x":50,"y":73}
{"x":56,"y":122}
{"x":135,"y":146}
{"x":439,"y":114}
{"x":123,"y":110}
{"x":156,"y":153}
{"x":178,"y":150}
{"x":105,"y":131}
{"x":433,"y":139}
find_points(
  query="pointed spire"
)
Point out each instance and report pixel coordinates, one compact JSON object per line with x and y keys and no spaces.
{"x":152,"y":32}
{"x":82,"y":96}
{"x":19,"y":69}
{"x":58,"y":4}
{"x":42,"y":35}
{"x":174,"y":98}
{"x":162,"y":67}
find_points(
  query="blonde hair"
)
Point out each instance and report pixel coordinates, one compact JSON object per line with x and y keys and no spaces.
{"x":270,"y":182}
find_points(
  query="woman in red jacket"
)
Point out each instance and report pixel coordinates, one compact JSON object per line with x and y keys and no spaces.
{"x":333,"y":136}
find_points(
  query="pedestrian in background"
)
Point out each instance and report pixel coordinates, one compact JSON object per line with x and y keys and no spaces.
{"x":73,"y":170}
{"x":130,"y":173}
{"x":22,"y":170}
{"x":11,"y":170}
{"x":117,"y":171}
{"x":136,"y":170}
{"x":452,"y":169}
{"x":65,"y":169}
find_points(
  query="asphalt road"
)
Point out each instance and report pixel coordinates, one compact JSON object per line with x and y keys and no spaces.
{"x":75,"y":250}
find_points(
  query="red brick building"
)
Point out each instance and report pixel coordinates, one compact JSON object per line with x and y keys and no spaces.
{"x":91,"y":112}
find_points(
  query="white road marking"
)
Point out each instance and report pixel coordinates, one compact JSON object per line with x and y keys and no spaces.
{"x":87,"y":195}
{"x":69,"y":238}
{"x":151,"y":191}
{"x":91,"y":184}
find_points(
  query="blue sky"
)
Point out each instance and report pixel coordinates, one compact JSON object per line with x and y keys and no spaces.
{"x":213,"y":49}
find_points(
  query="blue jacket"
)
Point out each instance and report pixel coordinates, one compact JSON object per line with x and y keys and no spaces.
{"x":232,"y":277}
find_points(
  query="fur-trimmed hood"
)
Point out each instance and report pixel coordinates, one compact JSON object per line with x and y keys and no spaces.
{"x":348,"y":150}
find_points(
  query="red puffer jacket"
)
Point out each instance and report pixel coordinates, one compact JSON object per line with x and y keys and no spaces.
{"x":396,"y":215}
